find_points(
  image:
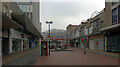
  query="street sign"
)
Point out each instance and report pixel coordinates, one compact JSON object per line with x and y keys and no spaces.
{"x":49,"y":36}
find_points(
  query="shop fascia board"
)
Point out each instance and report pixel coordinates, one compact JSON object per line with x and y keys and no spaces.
{"x":8,"y":23}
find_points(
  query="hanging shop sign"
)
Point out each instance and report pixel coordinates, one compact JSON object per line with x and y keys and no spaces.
{"x":82,"y":39}
{"x":22,"y":35}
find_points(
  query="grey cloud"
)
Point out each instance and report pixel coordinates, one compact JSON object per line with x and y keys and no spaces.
{"x":64,"y":13}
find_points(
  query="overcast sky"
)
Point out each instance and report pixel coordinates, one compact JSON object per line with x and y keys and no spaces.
{"x":69,"y":12}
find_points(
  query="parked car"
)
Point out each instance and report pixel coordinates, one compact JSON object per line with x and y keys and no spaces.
{"x":52,"y":47}
{"x":57,"y":46}
{"x":64,"y":46}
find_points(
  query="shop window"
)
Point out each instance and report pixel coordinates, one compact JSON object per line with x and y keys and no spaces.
{"x":114,"y":15}
{"x":119,"y":14}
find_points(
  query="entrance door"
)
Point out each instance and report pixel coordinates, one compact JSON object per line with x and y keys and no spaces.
{"x":91,"y":44}
{"x":5,"y":46}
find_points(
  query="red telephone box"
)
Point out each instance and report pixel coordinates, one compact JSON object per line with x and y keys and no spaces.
{"x":44,"y":48}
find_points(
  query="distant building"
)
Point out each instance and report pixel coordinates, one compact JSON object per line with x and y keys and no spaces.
{"x":70,"y":34}
{"x":56,"y":35}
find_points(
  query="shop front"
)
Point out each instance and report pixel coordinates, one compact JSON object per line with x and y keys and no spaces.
{"x":112,"y":38}
{"x":113,"y":42}
{"x":16,"y":43}
{"x":96,"y":42}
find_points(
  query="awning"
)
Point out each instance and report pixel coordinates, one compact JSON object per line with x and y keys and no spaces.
{"x":26,"y":22}
{"x":8,"y":23}
{"x":117,"y":26}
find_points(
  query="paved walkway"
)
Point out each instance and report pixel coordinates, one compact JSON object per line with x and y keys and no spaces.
{"x":8,"y":58}
{"x":100,"y":52}
{"x":76,"y":57}
{"x":28,"y":58}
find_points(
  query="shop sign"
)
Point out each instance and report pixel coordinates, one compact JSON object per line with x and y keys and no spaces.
{"x":22,"y":35}
{"x":97,"y":44}
{"x":82,"y":39}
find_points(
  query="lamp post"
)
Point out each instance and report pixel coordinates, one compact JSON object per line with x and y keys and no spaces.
{"x":49,"y":32}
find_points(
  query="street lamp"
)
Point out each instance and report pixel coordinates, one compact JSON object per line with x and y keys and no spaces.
{"x":49,"y":32}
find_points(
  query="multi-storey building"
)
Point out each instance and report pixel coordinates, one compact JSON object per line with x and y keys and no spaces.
{"x":70,"y":34}
{"x":20,"y":31}
{"x":96,"y":38}
{"x":58,"y":36}
{"x":112,"y":26}
{"x":101,"y":32}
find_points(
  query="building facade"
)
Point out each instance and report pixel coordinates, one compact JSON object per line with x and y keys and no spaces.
{"x":19,"y":31}
{"x":112,"y":26}
{"x":96,"y":38}
{"x":101,"y":31}
{"x":70,"y":35}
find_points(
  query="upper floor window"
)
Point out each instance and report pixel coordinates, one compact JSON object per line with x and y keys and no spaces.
{"x":5,"y":10}
{"x":11,"y":13}
{"x":113,"y":3}
{"x":23,"y":8}
{"x":27,"y":8}
{"x":114,"y":15}
{"x":31,"y":8}
{"x":30,"y":15}
{"x":101,"y":24}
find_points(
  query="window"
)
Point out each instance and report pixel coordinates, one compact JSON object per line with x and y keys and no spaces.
{"x":113,"y":3}
{"x":114,"y":15}
{"x":27,"y":8}
{"x":27,"y":14}
{"x":101,"y":25}
{"x":11,"y":13}
{"x":30,"y":15}
{"x":31,"y":8}
{"x":119,"y":14}
{"x":21,"y":7}
{"x":5,"y":10}
{"x":24,"y":8}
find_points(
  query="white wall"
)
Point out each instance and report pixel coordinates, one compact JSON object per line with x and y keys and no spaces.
{"x":35,"y":17}
{"x":77,"y":34}
{"x":0,"y":6}
{"x":90,"y":30}
{"x":17,"y":34}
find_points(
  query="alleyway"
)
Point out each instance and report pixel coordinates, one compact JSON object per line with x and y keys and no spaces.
{"x":68,"y":57}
